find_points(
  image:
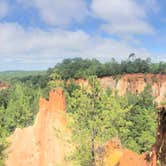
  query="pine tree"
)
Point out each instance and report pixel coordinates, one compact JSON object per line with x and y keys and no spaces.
{"x":96,"y":118}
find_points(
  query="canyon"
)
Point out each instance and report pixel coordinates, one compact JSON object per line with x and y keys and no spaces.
{"x":46,"y":143}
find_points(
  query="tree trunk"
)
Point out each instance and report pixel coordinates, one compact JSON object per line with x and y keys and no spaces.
{"x":93,"y":147}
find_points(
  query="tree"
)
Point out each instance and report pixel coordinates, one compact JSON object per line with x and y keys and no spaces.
{"x":18,"y":108}
{"x":142,"y":115}
{"x":4,"y":98}
{"x":131,"y":56}
{"x":55,"y":79}
{"x":96,"y":118}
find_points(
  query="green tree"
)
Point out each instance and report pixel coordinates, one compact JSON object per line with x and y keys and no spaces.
{"x":17,"y":110}
{"x":4,"y":98}
{"x":143,"y":117}
{"x":96,"y":118}
{"x":55,"y":79}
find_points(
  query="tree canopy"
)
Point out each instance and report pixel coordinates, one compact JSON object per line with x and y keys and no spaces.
{"x":83,"y":68}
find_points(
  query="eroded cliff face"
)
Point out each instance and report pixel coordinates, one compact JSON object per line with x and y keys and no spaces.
{"x":4,"y":85}
{"x":134,"y":83}
{"x":46,"y":142}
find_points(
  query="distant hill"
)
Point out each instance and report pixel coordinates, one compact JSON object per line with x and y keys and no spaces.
{"x":8,"y":75}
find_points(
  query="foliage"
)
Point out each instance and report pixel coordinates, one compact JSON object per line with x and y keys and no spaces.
{"x":9,"y":75}
{"x":34,"y":81}
{"x":55,"y":79}
{"x":71,"y":87}
{"x":18,"y":107}
{"x":143,"y":117}
{"x":76,"y":68}
{"x":97,"y":117}
{"x":83,"y":68}
{"x":4,"y":98}
{"x":3,"y":146}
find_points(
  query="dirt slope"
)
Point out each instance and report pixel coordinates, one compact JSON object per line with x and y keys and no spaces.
{"x":4,"y":85}
{"x":115,"y":155}
{"x":44,"y":143}
{"x":134,"y":83}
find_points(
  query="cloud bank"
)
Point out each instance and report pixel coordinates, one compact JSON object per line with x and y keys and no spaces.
{"x":122,"y":17}
{"x":58,"y":12}
{"x":39,"y":48}
{"x":64,"y":31}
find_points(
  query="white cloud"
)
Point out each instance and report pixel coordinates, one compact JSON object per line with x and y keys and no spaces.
{"x":58,"y":12}
{"x":122,"y":17}
{"x":4,"y":8}
{"x":136,"y":27}
{"x":22,"y":48}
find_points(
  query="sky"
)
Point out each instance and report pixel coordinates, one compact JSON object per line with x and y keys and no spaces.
{"x":37,"y":34}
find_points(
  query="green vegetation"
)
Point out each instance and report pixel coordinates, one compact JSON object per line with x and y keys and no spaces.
{"x":19,"y":103}
{"x":9,"y":75}
{"x":83,"y":68}
{"x":142,"y":115}
{"x":97,"y":115}
{"x":18,"y":107}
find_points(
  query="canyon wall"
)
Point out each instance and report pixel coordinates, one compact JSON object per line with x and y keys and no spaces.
{"x":46,"y":142}
{"x":4,"y":85}
{"x":133,"y":83}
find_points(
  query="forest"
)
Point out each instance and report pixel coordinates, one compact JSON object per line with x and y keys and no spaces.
{"x":130,"y":118}
{"x":82,"y":68}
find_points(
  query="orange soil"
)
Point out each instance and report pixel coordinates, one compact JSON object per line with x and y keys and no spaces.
{"x":45,"y":143}
{"x":134,"y":83}
{"x":4,"y":86}
{"x":115,"y":155}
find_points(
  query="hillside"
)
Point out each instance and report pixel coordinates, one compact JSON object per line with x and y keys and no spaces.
{"x":8,"y":75}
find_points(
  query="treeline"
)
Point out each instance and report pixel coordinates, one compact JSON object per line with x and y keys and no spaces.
{"x":82,"y":68}
{"x":9,"y":75}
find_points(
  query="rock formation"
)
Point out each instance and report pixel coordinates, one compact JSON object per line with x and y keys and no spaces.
{"x":4,"y":85}
{"x":116,"y":155}
{"x":134,"y":83}
{"x":45,"y":143}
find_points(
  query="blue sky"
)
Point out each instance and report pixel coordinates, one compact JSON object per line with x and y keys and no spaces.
{"x":36,"y":34}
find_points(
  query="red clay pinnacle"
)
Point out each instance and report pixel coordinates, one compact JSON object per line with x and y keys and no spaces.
{"x":42,"y":144}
